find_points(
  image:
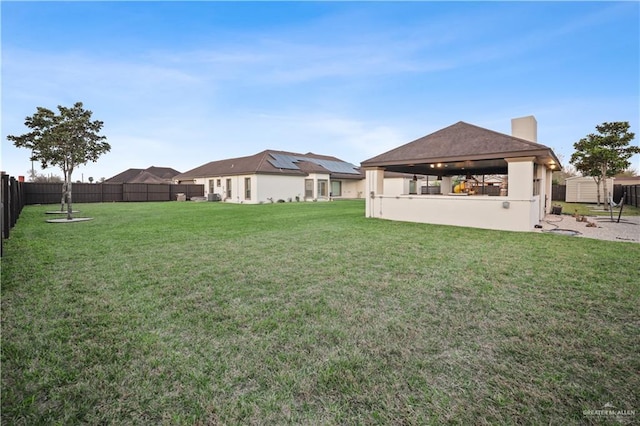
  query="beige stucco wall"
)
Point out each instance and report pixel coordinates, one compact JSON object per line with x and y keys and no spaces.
{"x":352,"y":189}
{"x":262,"y":187}
{"x":520,"y":210}
{"x":278,"y":188}
{"x":265,"y":186}
{"x":525,"y":128}
{"x":471,"y":211}
{"x":396,"y":186}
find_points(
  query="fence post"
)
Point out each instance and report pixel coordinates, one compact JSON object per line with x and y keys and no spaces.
{"x":2,"y":203}
{"x":6,"y":206}
{"x":13,"y":187}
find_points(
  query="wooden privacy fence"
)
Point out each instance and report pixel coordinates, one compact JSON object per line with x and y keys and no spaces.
{"x":13,"y":200}
{"x":558,"y":192}
{"x":51,"y":193}
{"x":633,"y":195}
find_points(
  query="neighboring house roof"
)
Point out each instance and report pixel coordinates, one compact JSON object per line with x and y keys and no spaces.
{"x":150,"y":175}
{"x":464,"y":147}
{"x":627,"y":180}
{"x":275,"y":162}
{"x":583,"y":178}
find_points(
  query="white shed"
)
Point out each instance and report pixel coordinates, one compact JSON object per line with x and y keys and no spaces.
{"x":584,"y":190}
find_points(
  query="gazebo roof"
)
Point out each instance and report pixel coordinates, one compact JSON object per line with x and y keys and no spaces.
{"x":461,"y":148}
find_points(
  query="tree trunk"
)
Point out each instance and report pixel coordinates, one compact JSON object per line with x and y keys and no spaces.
{"x":597,"y":180}
{"x":603,"y":178}
{"x":64,"y":195}
{"x":69,"y":207}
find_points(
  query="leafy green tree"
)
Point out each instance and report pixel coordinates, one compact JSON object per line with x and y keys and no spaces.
{"x":604,"y":154}
{"x":66,"y":140}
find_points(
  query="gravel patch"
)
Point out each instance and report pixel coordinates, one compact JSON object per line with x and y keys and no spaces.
{"x":627,"y":230}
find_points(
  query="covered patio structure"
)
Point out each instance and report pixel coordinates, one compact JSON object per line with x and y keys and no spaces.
{"x":458,"y":156}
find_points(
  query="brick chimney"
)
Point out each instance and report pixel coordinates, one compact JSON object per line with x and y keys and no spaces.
{"x":525,"y":128}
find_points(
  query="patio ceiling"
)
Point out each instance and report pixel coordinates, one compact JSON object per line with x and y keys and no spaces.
{"x":453,"y":168}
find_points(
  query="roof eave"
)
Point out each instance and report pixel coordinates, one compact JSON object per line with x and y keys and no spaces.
{"x":475,"y":157}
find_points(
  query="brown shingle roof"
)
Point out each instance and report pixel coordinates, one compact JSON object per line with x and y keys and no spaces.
{"x":265,"y":163}
{"x":150,"y":175}
{"x":460,"y":141}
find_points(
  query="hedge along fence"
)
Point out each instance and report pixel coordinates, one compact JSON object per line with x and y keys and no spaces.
{"x":51,"y":193}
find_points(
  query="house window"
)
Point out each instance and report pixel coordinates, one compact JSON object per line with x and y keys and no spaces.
{"x":308,"y":188}
{"x":336,"y":188}
{"x":322,"y":187}
{"x":218,"y":183}
{"x":247,"y":188}
{"x":228,"y":188}
{"x":210,"y":186}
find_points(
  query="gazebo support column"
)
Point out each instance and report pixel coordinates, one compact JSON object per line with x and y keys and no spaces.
{"x":548,"y":190}
{"x":520,"y":178}
{"x":520,"y":192}
{"x":445,"y":185}
{"x":375,"y":188}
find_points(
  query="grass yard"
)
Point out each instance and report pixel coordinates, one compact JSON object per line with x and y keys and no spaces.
{"x":308,"y":313}
{"x":593,"y":210}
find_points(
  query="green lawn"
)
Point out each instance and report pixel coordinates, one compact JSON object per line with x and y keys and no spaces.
{"x":594,"y":210}
{"x":308,"y":313}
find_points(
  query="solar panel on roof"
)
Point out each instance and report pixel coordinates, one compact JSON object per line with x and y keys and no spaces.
{"x":282,"y":161}
{"x":336,"y":166}
{"x":285,"y":161}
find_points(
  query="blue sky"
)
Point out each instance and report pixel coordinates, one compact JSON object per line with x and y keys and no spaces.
{"x":179,"y":84}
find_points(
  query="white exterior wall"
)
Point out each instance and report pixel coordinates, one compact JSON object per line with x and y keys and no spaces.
{"x":396,"y":186}
{"x":278,"y":188}
{"x":205,"y":182}
{"x":316,"y":177}
{"x":401,"y":185}
{"x":352,"y":189}
{"x":237,"y":188}
{"x":472,"y":211}
{"x":262,"y":187}
{"x":520,"y":177}
{"x":265,"y":186}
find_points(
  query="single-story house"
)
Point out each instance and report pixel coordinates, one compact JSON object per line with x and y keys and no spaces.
{"x":149,"y":175}
{"x":270,"y":176}
{"x":459,"y":156}
{"x":583,"y":189}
